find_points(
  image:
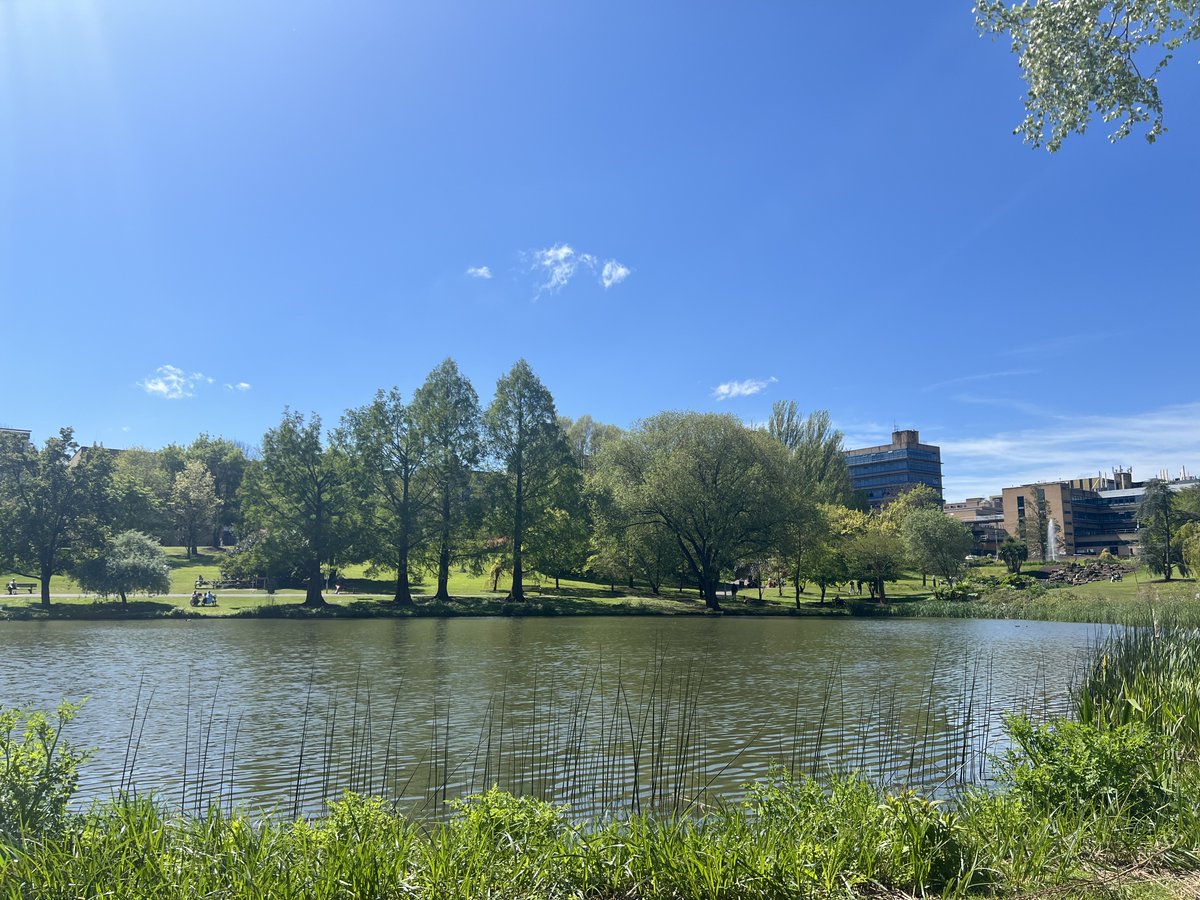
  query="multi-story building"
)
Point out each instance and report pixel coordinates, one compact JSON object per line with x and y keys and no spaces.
{"x":1090,"y":515}
{"x":985,"y":517}
{"x":883,"y":473}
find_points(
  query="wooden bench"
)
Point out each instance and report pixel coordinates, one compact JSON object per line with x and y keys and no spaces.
{"x":14,"y":587}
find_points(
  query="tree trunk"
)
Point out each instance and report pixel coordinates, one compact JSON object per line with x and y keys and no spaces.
{"x":882,"y":591}
{"x":709,"y":587}
{"x":443,"y":576}
{"x":403,"y":591}
{"x":822,"y":593}
{"x":46,"y":570}
{"x":124,"y":602}
{"x":312,"y":596}
{"x":517,"y":594}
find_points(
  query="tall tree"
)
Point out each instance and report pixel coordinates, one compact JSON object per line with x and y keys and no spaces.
{"x":1157,"y":514}
{"x":816,"y":451}
{"x":227,"y":461}
{"x":524,"y":438}
{"x":816,"y":474}
{"x":52,"y":504}
{"x":389,"y":449}
{"x":875,"y":556}
{"x":709,"y":481}
{"x":446,"y":409}
{"x":194,"y":503}
{"x":298,"y":497}
{"x":1085,"y":58}
{"x":131,"y":562}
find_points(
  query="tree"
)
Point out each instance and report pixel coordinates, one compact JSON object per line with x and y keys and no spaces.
{"x":815,"y":449}
{"x":446,"y":409}
{"x":228,"y":462}
{"x":131,"y":562}
{"x":1158,"y":518}
{"x":1014,"y":552}
{"x":935,"y":542}
{"x":706,"y":479}
{"x":140,"y":494}
{"x":817,"y":474}
{"x":1085,"y":58}
{"x":389,"y":450}
{"x":194,"y":503}
{"x":524,"y":438}
{"x":297,"y":496}
{"x":53,"y":503}
{"x":824,"y":564}
{"x":875,"y":556}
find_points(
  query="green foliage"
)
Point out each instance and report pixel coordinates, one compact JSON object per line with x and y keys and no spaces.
{"x":1091,"y":57}
{"x":706,"y":480}
{"x":194,"y":503}
{"x":1014,"y":552}
{"x":131,"y":562}
{"x":936,"y":543}
{"x":1062,"y":764}
{"x":39,"y":772}
{"x":53,"y":504}
{"x":297,"y":502}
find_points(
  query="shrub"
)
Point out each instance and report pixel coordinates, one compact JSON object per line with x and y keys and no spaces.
{"x":39,"y":772}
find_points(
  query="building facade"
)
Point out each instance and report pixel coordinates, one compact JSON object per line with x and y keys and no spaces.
{"x":885,"y":472}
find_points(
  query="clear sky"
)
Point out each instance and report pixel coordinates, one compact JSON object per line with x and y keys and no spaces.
{"x":211,"y":210}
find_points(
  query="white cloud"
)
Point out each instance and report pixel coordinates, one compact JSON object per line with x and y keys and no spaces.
{"x":1069,"y":446}
{"x":557,"y":265}
{"x":479,"y":272}
{"x":746,"y":388}
{"x":172,"y":383}
{"x":613,"y":273}
{"x":240,"y":386}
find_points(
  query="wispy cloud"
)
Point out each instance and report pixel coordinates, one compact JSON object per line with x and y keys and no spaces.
{"x":984,"y":376}
{"x":557,"y":265}
{"x":173,"y":383}
{"x":1059,"y":344}
{"x":479,"y":272}
{"x":613,"y":273}
{"x":240,"y":386}
{"x":747,"y":388}
{"x":1068,"y":446}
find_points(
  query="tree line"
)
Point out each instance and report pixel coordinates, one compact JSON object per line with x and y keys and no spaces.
{"x":416,"y":486}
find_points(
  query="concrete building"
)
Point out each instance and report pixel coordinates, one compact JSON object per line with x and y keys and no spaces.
{"x":985,"y":517}
{"x":1091,"y":514}
{"x":883,"y":473}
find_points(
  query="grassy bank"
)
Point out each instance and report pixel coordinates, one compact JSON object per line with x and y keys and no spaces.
{"x":1137,"y":598}
{"x":1104,"y":805}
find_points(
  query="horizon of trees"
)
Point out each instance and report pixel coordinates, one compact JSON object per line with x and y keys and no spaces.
{"x":414,"y":485}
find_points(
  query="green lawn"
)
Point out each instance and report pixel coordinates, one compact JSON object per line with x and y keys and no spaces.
{"x":1099,"y":601}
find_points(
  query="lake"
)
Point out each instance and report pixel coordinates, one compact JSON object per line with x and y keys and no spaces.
{"x":606,"y":714}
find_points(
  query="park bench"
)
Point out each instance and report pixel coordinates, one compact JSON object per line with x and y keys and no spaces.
{"x":27,"y":587}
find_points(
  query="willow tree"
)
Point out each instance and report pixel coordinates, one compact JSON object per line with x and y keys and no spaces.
{"x":714,"y":485}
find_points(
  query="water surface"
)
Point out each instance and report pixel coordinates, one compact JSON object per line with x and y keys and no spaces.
{"x":605,"y":714}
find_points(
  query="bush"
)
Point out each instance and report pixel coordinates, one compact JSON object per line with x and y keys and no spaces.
{"x":1123,"y":770}
{"x":39,"y":772}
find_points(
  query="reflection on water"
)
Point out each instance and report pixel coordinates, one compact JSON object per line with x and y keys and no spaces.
{"x":604,"y":714}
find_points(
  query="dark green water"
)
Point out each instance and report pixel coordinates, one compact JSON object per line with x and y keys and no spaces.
{"x":606,"y":714}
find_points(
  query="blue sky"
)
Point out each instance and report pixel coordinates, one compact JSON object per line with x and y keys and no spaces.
{"x":213,"y":210}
